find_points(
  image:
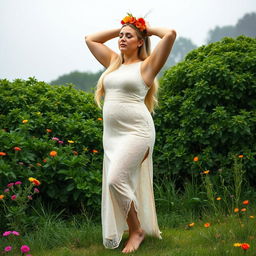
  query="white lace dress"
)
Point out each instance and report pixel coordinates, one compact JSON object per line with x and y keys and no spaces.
{"x":128,"y":133}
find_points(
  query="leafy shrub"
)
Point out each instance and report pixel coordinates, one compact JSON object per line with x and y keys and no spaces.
{"x":39,"y":119}
{"x":208,"y":109}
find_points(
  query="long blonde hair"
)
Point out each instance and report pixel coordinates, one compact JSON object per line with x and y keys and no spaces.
{"x":144,"y":51}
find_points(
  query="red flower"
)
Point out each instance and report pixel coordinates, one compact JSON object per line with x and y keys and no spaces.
{"x":17,"y":149}
{"x":245,"y":246}
{"x":245,"y":202}
{"x":2,"y":154}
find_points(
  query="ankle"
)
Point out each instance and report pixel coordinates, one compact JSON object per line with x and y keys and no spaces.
{"x":138,"y":231}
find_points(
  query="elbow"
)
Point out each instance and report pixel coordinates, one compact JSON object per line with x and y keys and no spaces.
{"x":172,"y":34}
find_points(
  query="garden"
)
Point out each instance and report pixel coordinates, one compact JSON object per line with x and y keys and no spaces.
{"x":204,"y":161}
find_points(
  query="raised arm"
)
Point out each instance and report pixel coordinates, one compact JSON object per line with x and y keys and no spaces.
{"x":101,"y":52}
{"x":153,"y":64}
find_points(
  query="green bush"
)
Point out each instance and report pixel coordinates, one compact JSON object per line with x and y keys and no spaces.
{"x":208,"y":109}
{"x":32,"y":113}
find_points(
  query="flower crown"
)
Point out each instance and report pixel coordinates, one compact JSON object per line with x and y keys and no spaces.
{"x":138,"y":23}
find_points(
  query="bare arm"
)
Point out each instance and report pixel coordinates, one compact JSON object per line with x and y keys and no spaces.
{"x":153,"y":64}
{"x":101,"y":52}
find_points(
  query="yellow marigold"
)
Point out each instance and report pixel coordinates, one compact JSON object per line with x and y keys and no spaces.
{"x":237,"y":244}
{"x":35,"y":181}
{"x":71,"y":141}
{"x":191,"y":224}
{"x":236,"y":210}
{"x":218,"y":198}
{"x":24,"y":121}
{"x":206,"y":172}
{"x":251,"y":217}
{"x":207,"y":225}
{"x":53,"y":153}
{"x":196,"y":158}
{"x":243,"y":210}
{"x":1,"y":197}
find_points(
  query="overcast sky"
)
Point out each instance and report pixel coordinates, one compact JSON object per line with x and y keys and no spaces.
{"x":45,"y":38}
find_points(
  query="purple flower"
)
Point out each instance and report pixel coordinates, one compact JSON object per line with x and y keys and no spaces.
{"x":15,"y":233}
{"x":24,"y":248}
{"x":36,"y":190}
{"x":55,"y":138}
{"x":13,"y":197}
{"x":7,"y":233}
{"x":61,"y":142}
{"x":10,"y":185}
{"x":7,"y":248}
{"x":18,"y":183}
{"x":6,"y":190}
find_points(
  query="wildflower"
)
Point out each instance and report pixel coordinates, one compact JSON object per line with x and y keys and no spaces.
{"x":243,"y":210}
{"x":237,"y":244}
{"x":24,"y":248}
{"x":55,"y":138}
{"x":38,"y":164}
{"x":100,"y":119}
{"x":195,"y":159}
{"x":3,"y":154}
{"x":251,"y":217}
{"x":191,"y":224}
{"x":218,"y":198}
{"x":236,"y":210}
{"x":1,"y":197}
{"x":15,"y":233}
{"x":49,"y":130}
{"x":35,"y":181}
{"x":6,"y":190}
{"x":60,"y":141}
{"x":24,"y":121}
{"x":8,"y":248}
{"x":36,"y":190}
{"x":241,"y":156}
{"x":245,"y":246}
{"x":17,"y":149}
{"x":71,"y":141}
{"x":13,"y":197}
{"x":7,"y":233}
{"x":10,"y":185}
{"x":30,"y":197}
{"x":207,"y":225}
{"x":95,"y":151}
{"x":206,"y":172}
{"x":45,"y":160}
{"x":245,"y":202}
{"x":75,"y":153}
{"x":53,"y":153}
{"x":18,"y":183}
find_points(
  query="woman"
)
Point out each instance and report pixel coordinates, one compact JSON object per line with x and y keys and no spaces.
{"x":129,"y":89}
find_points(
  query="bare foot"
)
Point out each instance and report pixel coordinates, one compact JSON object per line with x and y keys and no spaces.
{"x":134,"y":241}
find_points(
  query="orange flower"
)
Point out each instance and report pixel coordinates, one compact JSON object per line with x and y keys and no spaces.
{"x":48,"y":130}
{"x":95,"y":151}
{"x":17,"y":149}
{"x":34,"y":181}
{"x":195,"y":159}
{"x":53,"y":153}
{"x":241,"y":156}
{"x":3,"y":154}
{"x":100,"y":119}
{"x":75,"y":153}
{"x":245,"y":202}
{"x":24,"y":121}
{"x":207,"y":225}
{"x":236,"y":210}
{"x":191,"y":224}
{"x":245,"y":246}
{"x":206,"y":172}
{"x":1,"y":197}
{"x":218,"y":198}
{"x":243,"y":210}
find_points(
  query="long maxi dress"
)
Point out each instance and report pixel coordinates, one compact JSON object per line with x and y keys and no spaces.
{"x":128,"y":132}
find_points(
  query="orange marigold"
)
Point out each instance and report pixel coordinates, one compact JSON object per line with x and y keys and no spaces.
{"x":207,"y":225}
{"x":191,"y":224}
{"x":241,"y":156}
{"x":245,"y":202}
{"x":196,"y":158}
{"x":3,"y":154}
{"x":1,"y":197}
{"x":236,"y":210}
{"x":95,"y":151}
{"x":53,"y":153}
{"x":17,"y":149}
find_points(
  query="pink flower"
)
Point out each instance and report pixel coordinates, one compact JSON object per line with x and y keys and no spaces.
{"x":18,"y":183}
{"x":13,"y":197}
{"x":6,"y":190}
{"x":7,"y":233}
{"x":10,"y":185}
{"x":24,"y":248}
{"x":15,"y":233}
{"x":36,"y":190}
{"x":30,"y":197}
{"x":7,"y":248}
{"x":61,"y":142}
{"x":55,"y":138}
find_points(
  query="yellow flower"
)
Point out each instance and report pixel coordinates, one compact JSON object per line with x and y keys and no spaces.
{"x":71,"y":141}
{"x":237,"y":244}
{"x":85,"y":149}
{"x":236,"y":210}
{"x":218,"y":198}
{"x":251,"y":217}
{"x":206,"y":172}
{"x":35,"y":181}
{"x":191,"y":224}
{"x":1,"y":197}
{"x":24,"y":121}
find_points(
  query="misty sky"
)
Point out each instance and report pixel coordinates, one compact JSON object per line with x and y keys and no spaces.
{"x":45,"y":38}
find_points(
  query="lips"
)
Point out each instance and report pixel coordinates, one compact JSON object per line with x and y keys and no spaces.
{"x":122,"y":45}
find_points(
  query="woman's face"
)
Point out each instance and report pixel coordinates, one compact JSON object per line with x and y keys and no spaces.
{"x":128,"y":40}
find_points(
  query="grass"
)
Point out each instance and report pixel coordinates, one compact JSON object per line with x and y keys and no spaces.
{"x":61,"y":238}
